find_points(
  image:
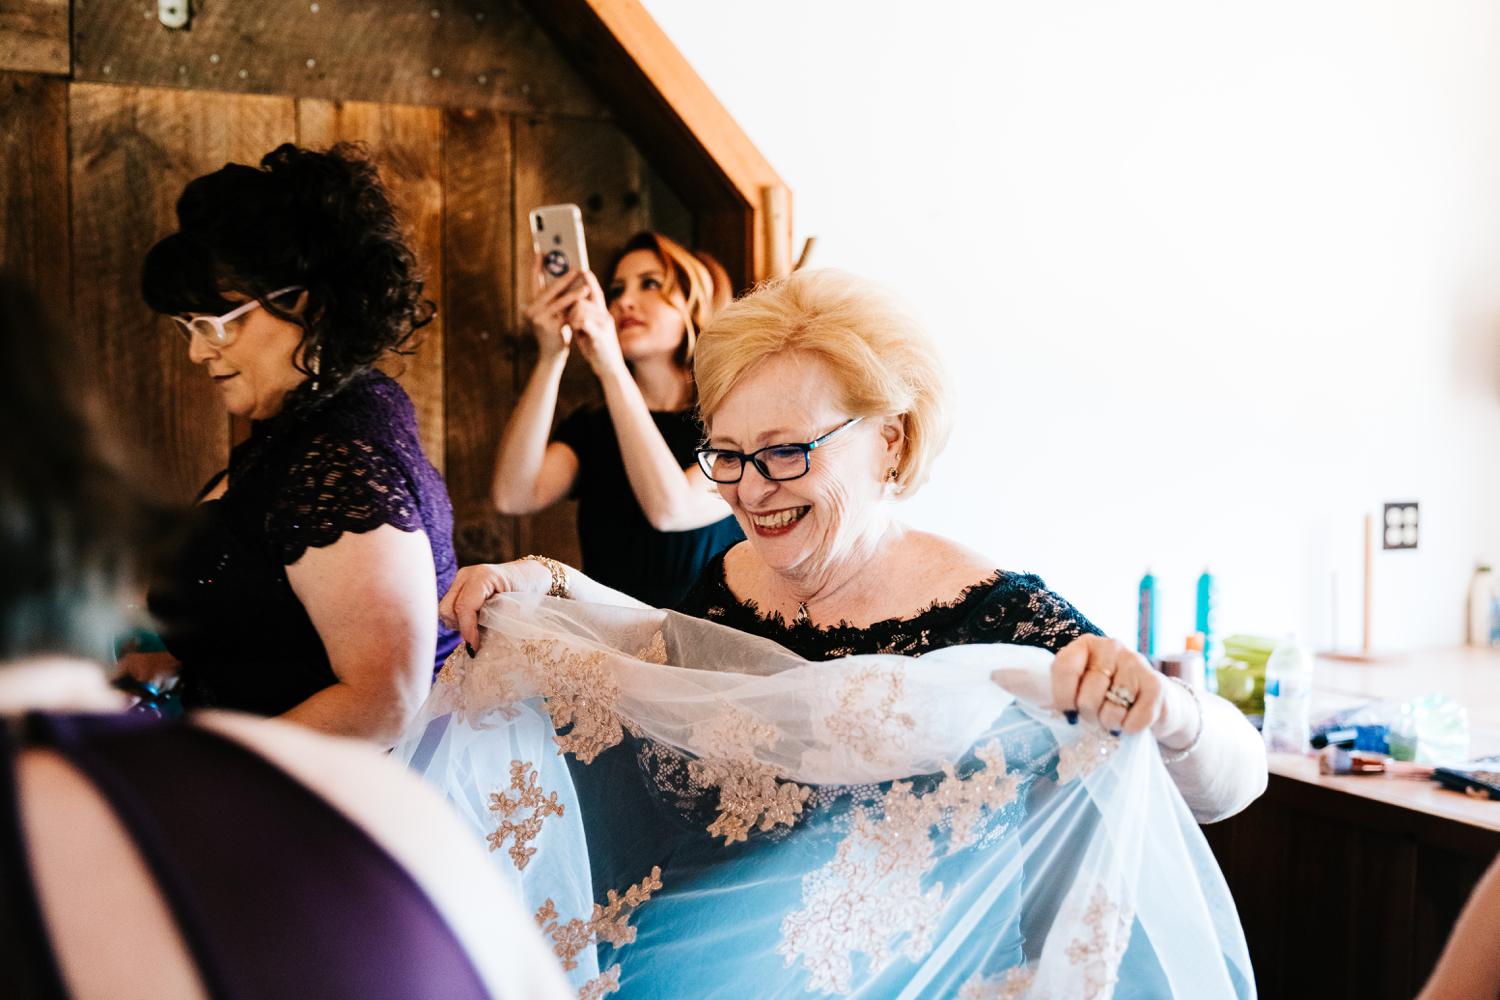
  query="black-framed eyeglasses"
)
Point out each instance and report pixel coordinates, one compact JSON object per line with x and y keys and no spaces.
{"x":776,"y":462}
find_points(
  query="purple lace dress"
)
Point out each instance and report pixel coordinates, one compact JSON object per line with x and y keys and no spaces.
{"x":349,"y":462}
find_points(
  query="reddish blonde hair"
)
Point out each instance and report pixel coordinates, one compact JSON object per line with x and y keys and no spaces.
{"x":700,"y":278}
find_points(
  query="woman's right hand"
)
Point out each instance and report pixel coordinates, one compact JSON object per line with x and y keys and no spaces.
{"x":473,"y":585}
{"x":548,"y":311}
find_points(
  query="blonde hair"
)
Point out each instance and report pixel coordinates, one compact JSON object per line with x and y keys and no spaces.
{"x":702,"y":280}
{"x":884,"y":360}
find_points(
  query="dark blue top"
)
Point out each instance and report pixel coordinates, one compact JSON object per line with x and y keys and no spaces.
{"x":324,"y":466}
{"x":620,"y":548}
{"x":275,"y":892}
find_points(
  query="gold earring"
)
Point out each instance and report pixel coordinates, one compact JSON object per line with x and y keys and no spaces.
{"x":890,"y":474}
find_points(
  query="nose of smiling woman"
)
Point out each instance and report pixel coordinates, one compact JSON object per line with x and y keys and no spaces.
{"x":754,"y":488}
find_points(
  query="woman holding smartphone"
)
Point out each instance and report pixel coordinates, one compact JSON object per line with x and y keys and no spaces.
{"x":648,"y":519}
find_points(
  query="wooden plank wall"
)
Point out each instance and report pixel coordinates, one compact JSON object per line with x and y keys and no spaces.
{"x":473,"y":118}
{"x":133,"y":149}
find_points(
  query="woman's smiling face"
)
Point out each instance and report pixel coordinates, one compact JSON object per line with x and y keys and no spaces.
{"x":799,"y":525}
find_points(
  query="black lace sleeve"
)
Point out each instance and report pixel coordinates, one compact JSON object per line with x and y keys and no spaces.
{"x":341,"y":484}
{"x":1020,"y":609}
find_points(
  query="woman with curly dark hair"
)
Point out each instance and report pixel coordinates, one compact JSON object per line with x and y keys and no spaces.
{"x":308,"y":587}
{"x":215,"y":855}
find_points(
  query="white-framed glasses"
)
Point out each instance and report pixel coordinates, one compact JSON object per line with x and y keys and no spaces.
{"x":213,"y":328}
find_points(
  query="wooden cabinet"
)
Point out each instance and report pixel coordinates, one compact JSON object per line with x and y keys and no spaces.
{"x":1347,"y":887}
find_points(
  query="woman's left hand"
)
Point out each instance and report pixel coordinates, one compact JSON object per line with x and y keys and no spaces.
{"x":1102,"y":681}
{"x":594,"y":331}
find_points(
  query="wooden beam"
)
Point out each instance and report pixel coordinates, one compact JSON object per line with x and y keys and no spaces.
{"x":133,"y":150}
{"x":34,"y":240}
{"x":691,"y":138}
{"x":594,"y":166}
{"x":436,"y":53}
{"x":479,"y":250}
{"x":34,"y":36}
{"x":406,"y":143}
{"x":776,"y":230}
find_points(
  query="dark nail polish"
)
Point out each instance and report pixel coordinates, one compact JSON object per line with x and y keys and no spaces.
{"x":1114,"y":732}
{"x":1072,"y":717}
{"x":469,"y":649}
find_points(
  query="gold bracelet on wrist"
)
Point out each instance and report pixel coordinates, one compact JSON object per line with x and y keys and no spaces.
{"x":559,"y":575}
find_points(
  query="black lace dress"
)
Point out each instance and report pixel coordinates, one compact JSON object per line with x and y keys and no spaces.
{"x":350,"y":462}
{"x":1007,"y":607}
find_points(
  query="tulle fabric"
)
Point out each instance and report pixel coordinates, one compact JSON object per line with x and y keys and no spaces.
{"x":695,"y":812}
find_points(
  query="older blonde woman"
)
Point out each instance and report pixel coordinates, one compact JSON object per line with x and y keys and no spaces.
{"x":825,"y":405}
{"x":830,"y":795}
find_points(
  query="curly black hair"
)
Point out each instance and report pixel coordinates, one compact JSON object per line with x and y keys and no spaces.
{"x":71,"y":520}
{"x":321,"y":220}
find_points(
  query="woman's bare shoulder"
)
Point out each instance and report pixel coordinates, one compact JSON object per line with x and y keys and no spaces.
{"x":959,"y":561}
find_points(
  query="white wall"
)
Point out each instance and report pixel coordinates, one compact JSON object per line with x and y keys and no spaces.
{"x":1214,"y":279}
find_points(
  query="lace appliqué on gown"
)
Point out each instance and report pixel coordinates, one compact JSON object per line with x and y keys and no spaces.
{"x":1079,"y":759}
{"x":537,"y":805}
{"x":870,"y":898}
{"x":866,"y":718}
{"x":1010,"y":985}
{"x":610,"y":923}
{"x":1099,"y":954}
{"x":751,"y":794}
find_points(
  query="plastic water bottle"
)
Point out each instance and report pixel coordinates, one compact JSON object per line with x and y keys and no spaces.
{"x":1289,"y":678}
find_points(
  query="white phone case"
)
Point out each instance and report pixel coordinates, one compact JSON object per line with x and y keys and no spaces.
{"x":557,"y":235}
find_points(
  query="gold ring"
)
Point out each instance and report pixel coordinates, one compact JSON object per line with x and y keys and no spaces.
{"x":1120,"y":696}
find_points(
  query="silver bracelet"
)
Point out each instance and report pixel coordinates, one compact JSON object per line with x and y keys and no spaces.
{"x":1173,"y":756}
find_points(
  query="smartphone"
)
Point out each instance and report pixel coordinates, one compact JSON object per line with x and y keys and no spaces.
{"x":557,"y":235}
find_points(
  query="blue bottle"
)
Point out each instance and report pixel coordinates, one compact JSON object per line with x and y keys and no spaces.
{"x":1149,"y":617}
{"x":1205,"y":622}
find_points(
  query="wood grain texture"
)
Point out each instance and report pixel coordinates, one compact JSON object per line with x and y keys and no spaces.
{"x":596,"y":167}
{"x":34,"y":36}
{"x":666,"y":212}
{"x":437,"y":52}
{"x":665,"y":105}
{"x":479,"y":252}
{"x":406,"y":143}
{"x":34,"y":241}
{"x":132,"y":152}
{"x":1343,"y":895}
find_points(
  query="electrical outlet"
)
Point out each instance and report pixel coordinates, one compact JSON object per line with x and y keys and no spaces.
{"x":1401,"y":521}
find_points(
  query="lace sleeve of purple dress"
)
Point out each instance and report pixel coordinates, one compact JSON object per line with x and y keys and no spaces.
{"x":359,"y":468}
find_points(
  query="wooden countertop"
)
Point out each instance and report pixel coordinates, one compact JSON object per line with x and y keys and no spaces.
{"x":1425,"y":797}
{"x":1470,"y":677}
